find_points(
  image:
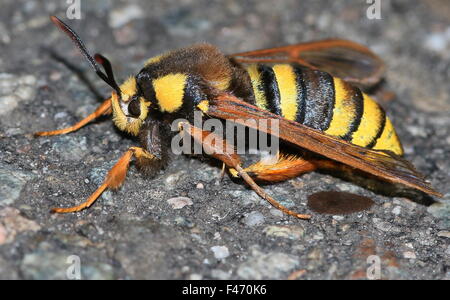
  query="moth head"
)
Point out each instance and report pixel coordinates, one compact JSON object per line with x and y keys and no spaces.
{"x":129,"y":108}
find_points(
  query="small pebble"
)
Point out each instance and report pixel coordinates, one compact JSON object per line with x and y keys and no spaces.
{"x":185,"y":269}
{"x":172,"y":180}
{"x":387,"y":205}
{"x":254,"y":218}
{"x":409,"y":245}
{"x":315,"y":254}
{"x":276,"y":212}
{"x":121,"y":16}
{"x":397,"y":210}
{"x":13,"y":131}
{"x":417,"y":131}
{"x":220,"y":252}
{"x":345,"y":227}
{"x":55,"y":76}
{"x":444,"y":234}
{"x":438,"y":41}
{"x":289,"y":232}
{"x":195,"y":276}
{"x":318,"y":236}
{"x":270,"y":265}
{"x":385,"y":226}
{"x":409,"y":255}
{"x":179,"y":202}
{"x":60,"y":115}
{"x":180,"y":221}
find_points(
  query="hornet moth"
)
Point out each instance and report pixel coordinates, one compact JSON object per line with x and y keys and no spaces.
{"x":310,"y":88}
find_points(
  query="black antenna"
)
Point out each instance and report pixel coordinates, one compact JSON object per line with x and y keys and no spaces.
{"x":108,"y":69}
{"x":108,"y":77}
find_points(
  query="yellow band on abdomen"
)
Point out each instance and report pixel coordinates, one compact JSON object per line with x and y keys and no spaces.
{"x":258,"y":89}
{"x":371,"y":121}
{"x":287,"y":86}
{"x":344,"y":111}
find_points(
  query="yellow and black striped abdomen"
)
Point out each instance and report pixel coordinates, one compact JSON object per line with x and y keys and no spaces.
{"x":320,"y":101}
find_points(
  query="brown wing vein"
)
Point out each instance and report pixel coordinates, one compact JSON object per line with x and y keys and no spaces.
{"x":380,"y":163}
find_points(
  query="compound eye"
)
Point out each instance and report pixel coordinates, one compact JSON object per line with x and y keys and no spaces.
{"x":134,"y":108}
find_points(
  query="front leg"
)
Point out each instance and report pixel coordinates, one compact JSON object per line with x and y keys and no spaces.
{"x":103,"y":110}
{"x":150,"y":158}
{"x":114,"y":179}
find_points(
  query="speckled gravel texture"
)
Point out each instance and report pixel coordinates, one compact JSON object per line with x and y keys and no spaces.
{"x":224,"y":230}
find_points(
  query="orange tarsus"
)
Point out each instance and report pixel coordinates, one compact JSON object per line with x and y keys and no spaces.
{"x":103,"y":109}
{"x":83,"y":205}
{"x":114,"y":179}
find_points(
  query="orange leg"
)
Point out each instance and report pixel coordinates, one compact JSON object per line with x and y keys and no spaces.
{"x":103,"y":109}
{"x":220,"y":149}
{"x":114,"y":179}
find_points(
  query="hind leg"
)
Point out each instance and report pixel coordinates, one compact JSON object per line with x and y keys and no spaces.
{"x":284,"y":167}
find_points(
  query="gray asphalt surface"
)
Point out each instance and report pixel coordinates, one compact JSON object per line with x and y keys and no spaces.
{"x":224,"y":231}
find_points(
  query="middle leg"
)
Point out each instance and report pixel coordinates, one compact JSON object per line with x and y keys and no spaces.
{"x":220,"y":149}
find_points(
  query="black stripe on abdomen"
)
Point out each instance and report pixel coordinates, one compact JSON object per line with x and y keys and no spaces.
{"x":301,"y":95}
{"x":317,"y":99}
{"x":357,"y":99}
{"x":271,"y":90}
{"x":380,"y":129}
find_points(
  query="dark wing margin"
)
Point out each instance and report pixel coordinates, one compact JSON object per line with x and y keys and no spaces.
{"x":379,"y":163}
{"x":348,"y":60}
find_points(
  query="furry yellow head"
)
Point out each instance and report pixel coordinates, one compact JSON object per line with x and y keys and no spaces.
{"x":129,"y":110}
